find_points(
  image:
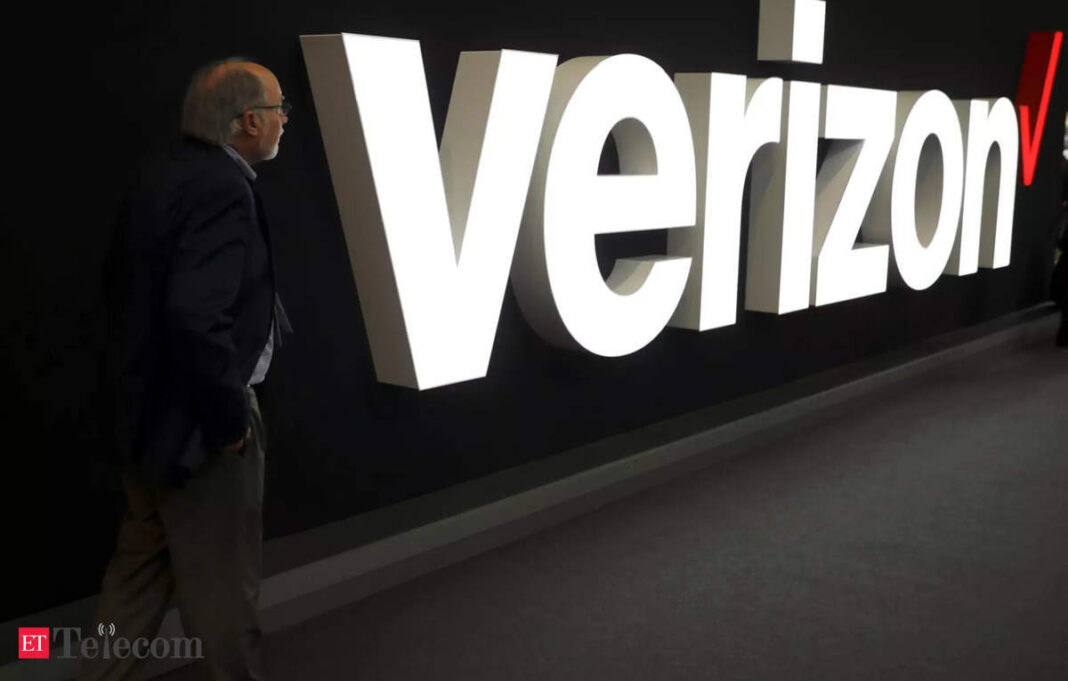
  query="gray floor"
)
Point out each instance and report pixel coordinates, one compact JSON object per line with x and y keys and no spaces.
{"x":924,"y":537}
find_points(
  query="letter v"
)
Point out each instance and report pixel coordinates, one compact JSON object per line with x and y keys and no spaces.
{"x":430,"y":237}
{"x":1036,"y":83}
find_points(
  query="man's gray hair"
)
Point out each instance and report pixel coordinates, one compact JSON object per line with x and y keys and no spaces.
{"x":214,"y":103}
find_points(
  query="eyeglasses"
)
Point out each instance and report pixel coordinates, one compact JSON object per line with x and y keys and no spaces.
{"x":284,"y":108}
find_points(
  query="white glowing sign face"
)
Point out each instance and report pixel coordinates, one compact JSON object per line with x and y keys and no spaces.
{"x":781,"y":208}
{"x":731,"y":119}
{"x":555,"y":275}
{"x":861,"y":124}
{"x":925,"y":193}
{"x":430,"y":234}
{"x":911,"y":189}
{"x":989,"y":187}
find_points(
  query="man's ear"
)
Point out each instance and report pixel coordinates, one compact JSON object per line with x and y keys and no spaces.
{"x":250,"y":123}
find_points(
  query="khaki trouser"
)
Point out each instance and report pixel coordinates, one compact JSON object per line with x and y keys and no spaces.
{"x":201,"y":543}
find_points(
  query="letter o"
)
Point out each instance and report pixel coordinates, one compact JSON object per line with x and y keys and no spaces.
{"x":925,"y":213}
{"x":166,"y":648}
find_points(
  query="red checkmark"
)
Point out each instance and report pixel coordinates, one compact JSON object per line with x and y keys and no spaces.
{"x":1036,"y":83}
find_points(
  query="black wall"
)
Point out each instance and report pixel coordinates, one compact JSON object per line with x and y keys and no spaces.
{"x":89,"y":89}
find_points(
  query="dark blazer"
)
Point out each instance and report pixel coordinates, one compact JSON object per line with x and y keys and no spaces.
{"x":189,"y":290}
{"x":1058,"y":288}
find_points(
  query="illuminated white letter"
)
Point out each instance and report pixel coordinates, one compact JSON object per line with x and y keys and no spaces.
{"x":844,"y":189}
{"x":430,"y":237}
{"x":730,"y":118}
{"x":781,"y":210}
{"x":923,"y":194}
{"x":791,"y":30}
{"x":555,"y":274}
{"x":986,"y":233}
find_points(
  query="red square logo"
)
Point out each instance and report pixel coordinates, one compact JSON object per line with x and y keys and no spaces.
{"x":33,"y":643}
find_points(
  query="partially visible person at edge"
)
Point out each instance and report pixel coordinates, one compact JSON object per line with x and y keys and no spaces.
{"x":193,"y":322}
{"x":1059,"y":284}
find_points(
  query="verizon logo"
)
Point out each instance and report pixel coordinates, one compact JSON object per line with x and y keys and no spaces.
{"x":434,"y":233}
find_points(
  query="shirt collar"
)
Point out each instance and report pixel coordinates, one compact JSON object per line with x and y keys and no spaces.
{"x":241,"y":163}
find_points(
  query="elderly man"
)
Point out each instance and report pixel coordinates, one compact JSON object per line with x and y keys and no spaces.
{"x":194,"y":319}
